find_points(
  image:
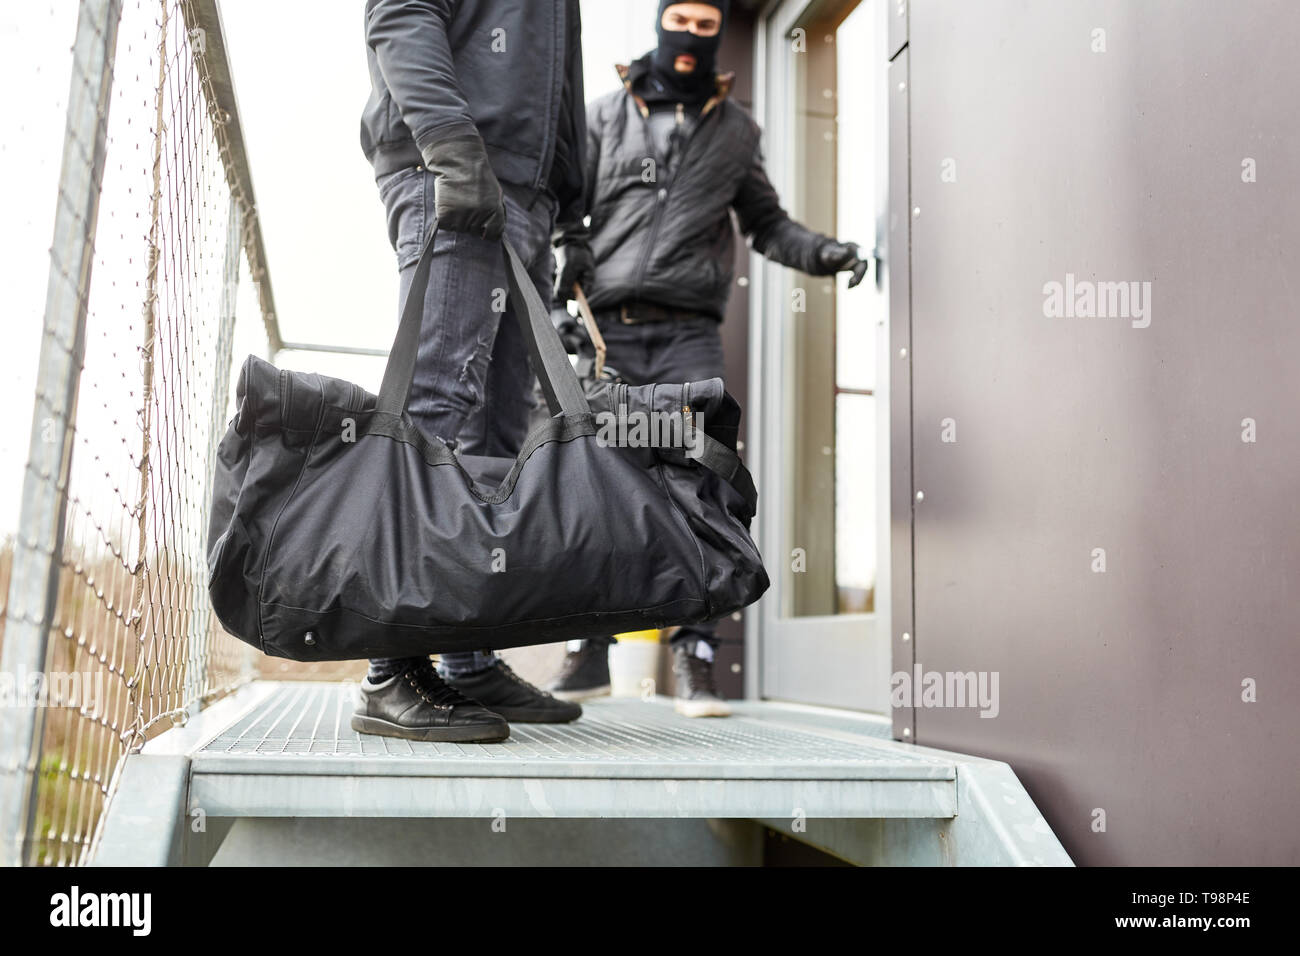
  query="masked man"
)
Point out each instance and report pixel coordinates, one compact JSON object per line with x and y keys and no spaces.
{"x":669,"y":157}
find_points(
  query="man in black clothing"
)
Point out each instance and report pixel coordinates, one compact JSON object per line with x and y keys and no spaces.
{"x":669,"y":157}
{"x":475,"y":125}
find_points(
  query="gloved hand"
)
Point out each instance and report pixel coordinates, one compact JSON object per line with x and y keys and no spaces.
{"x":576,"y":265}
{"x":574,"y":336}
{"x":835,"y":256}
{"x":467,"y":196}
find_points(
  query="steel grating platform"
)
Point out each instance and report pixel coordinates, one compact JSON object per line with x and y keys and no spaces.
{"x":294,"y":754}
{"x":279,"y":771}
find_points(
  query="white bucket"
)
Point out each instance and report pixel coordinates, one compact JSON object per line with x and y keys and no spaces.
{"x":633,"y":667}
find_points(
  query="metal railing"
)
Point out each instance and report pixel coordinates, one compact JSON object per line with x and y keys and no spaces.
{"x":157,"y":276}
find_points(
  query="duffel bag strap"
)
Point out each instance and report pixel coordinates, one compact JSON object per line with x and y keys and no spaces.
{"x":722,"y":461}
{"x":550,"y":361}
{"x":726,"y":464}
{"x":559,"y":381}
{"x":400,"y":369}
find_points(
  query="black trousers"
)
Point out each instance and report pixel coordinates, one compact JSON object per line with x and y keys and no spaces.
{"x":675,"y":350}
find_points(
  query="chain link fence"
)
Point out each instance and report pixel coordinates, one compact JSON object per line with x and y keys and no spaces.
{"x":157,"y":277}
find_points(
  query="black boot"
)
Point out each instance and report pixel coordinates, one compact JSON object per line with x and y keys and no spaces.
{"x":509,"y":695}
{"x":418,"y":705}
{"x":584,"y":673}
{"x":697,"y":695}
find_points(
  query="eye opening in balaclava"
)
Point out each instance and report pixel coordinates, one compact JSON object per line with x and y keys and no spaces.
{"x":675,"y":43}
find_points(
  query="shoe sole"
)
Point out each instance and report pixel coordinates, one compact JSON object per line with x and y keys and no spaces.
{"x":533,"y":717}
{"x":701,"y":708}
{"x":458,"y":735}
{"x":584,"y":693}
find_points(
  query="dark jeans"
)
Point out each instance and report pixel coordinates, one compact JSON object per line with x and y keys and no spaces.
{"x":684,"y":350}
{"x":473,"y":383}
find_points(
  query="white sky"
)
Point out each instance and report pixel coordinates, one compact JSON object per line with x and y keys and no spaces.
{"x":301,"y":79}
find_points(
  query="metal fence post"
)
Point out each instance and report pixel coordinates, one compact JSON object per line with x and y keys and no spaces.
{"x":33,"y":587}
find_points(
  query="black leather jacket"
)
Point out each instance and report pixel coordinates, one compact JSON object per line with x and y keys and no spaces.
{"x":441,"y":68}
{"x":668,"y":239}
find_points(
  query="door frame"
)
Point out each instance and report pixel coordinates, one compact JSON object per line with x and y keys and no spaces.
{"x":834,"y":660}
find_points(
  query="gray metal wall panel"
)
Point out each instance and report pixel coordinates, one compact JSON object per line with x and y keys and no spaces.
{"x":896,"y":273}
{"x":1121,"y":690}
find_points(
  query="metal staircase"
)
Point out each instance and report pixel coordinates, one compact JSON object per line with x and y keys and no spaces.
{"x":265,"y":775}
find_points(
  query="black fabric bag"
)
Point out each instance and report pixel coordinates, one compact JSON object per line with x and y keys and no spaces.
{"x":338,"y":531}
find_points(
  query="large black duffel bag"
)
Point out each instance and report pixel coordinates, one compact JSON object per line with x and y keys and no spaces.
{"x":339,"y":531}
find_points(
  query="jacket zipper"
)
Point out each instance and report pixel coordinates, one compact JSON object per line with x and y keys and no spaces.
{"x":688,"y":417}
{"x":661,"y":199}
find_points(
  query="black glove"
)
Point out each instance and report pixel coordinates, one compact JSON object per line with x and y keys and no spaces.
{"x":577,"y":264}
{"x":467,"y":196}
{"x":835,"y":256}
{"x":574,"y":336}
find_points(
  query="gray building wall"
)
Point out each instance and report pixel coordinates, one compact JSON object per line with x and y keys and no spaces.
{"x":1120,"y":691}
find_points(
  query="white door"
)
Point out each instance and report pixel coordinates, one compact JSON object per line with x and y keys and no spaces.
{"x":819,"y":392}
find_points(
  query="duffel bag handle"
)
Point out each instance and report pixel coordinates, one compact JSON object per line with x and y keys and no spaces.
{"x":550,"y":361}
{"x":559,"y":381}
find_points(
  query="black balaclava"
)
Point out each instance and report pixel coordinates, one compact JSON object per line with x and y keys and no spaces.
{"x":674,"y":43}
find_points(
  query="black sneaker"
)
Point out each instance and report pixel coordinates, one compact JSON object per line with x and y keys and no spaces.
{"x":584,"y":673}
{"x":697,"y":695}
{"x":508,"y":694}
{"x":418,"y":705}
